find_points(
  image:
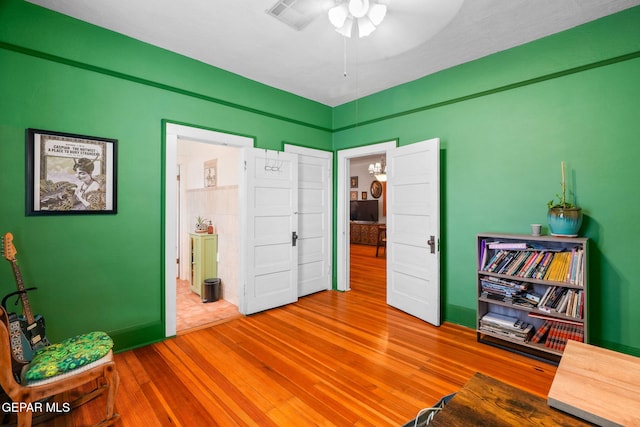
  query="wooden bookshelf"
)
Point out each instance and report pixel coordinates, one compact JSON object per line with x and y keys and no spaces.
{"x":526,"y":283}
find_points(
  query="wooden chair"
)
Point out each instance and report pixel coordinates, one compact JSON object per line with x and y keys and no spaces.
{"x":101,"y":374}
{"x":382,"y":239}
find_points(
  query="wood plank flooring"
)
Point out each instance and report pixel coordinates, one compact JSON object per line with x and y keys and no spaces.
{"x":331,"y":359}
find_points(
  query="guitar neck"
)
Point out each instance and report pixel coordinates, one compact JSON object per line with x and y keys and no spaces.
{"x":26,"y":307}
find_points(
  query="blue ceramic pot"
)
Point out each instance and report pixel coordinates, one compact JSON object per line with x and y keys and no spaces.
{"x":564,"y":221}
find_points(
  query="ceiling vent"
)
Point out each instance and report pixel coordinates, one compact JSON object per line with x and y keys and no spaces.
{"x":297,"y":13}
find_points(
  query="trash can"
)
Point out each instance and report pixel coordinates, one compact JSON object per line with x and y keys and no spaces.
{"x":211,"y":290}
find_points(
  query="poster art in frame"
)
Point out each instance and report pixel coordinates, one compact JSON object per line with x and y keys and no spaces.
{"x":69,"y":174}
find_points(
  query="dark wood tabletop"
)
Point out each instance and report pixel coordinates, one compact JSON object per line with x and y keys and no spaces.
{"x":485,"y":401}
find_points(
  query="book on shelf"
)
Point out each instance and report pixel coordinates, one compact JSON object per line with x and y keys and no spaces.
{"x":483,"y":254}
{"x":541,"y":334}
{"x":518,"y":262}
{"x":509,"y":256}
{"x":507,"y":245}
{"x":558,"y":299}
{"x":493,"y":261}
{"x":530,"y":265}
{"x":556,"y":319}
{"x":555,"y":265}
{"x":507,"y":326}
{"x":554,"y":333}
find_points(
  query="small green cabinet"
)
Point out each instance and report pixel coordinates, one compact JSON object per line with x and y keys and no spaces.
{"x":204,"y":260}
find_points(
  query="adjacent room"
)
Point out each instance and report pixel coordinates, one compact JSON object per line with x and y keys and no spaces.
{"x":331,"y":212}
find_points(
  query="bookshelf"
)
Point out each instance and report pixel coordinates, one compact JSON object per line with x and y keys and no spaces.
{"x":532,"y":292}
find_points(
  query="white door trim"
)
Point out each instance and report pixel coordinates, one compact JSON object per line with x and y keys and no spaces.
{"x":174,"y":132}
{"x":342,"y":218}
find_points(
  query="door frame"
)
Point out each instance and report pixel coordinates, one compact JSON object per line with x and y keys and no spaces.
{"x":342,"y":208}
{"x":174,"y":132}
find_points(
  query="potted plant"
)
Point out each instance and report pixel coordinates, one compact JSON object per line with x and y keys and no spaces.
{"x":201,"y":225}
{"x":564,"y":217}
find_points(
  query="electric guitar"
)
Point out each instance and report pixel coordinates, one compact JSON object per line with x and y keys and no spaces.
{"x":27,"y":331}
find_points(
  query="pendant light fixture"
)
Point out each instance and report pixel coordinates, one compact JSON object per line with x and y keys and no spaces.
{"x":365,"y":14}
{"x":379,"y":170}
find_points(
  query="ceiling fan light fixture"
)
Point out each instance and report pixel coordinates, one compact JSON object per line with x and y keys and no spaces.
{"x":365,"y":27}
{"x":366,"y":13}
{"x":345,"y":30}
{"x":358,"y":8}
{"x":338,"y":15}
{"x":377,"y":13}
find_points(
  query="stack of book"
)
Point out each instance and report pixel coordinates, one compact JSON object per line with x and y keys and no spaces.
{"x":544,"y":264}
{"x":555,"y":334}
{"x":510,"y":292}
{"x":507,"y":326}
{"x":566,"y":267}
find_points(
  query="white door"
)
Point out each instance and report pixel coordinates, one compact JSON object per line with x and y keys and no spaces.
{"x":314,"y":219}
{"x":413,"y":229}
{"x":272,"y":227}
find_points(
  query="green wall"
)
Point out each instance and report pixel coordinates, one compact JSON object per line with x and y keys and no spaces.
{"x":60,"y":74}
{"x":505,"y":123}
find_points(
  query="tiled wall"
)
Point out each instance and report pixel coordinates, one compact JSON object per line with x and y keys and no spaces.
{"x":220,"y":205}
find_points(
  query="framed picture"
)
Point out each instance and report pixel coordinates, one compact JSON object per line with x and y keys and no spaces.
{"x":354,"y":182}
{"x":354,"y":195}
{"x":364,"y":195}
{"x":376,"y":189}
{"x":70,"y":174}
{"x":211,"y":173}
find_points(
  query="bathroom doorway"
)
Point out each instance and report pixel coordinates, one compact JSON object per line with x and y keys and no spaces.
{"x":208,"y":186}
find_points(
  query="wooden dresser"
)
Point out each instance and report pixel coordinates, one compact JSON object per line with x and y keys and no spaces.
{"x":364,"y":233}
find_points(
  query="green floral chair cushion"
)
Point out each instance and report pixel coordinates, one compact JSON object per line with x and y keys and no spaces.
{"x":68,"y":355}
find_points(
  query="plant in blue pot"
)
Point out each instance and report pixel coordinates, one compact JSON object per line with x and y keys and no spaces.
{"x":564,"y":217}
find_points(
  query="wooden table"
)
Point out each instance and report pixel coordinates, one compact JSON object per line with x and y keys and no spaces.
{"x":597,"y":384}
{"x":485,"y":401}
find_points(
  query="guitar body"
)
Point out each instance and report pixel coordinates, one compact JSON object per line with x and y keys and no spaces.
{"x":31,"y":336}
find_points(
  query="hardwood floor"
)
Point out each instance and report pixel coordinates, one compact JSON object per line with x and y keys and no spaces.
{"x":331,"y":359}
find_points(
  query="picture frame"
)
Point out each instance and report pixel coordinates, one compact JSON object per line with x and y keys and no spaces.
{"x":354,"y":195}
{"x":364,"y":195}
{"x":354,"y":182}
{"x":70,"y":174}
{"x":211,"y":173}
{"x":376,"y":189}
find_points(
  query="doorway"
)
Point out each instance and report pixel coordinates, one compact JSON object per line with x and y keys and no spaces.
{"x":208,"y":188}
{"x":367,"y":222}
{"x":345,"y":158}
{"x":413,"y":221}
{"x":173,"y":134}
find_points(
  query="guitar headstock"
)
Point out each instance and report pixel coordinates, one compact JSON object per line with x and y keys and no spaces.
{"x":8,"y":250}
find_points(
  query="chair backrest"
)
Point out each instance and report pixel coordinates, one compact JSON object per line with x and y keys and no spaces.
{"x":7,"y":380}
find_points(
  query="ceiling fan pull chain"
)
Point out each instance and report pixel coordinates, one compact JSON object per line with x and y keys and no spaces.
{"x":344,"y":41}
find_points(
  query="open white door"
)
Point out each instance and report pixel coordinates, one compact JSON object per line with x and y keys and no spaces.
{"x":314,"y":219}
{"x":272,"y":255}
{"x":413,"y":229}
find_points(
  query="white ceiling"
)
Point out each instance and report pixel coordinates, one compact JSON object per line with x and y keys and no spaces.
{"x":417,"y":38}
